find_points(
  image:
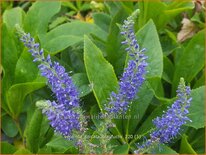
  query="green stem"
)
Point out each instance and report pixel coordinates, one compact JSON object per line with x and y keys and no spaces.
{"x":139,"y":137}
{"x":121,"y":137}
{"x":19,"y":128}
{"x":127,"y":127}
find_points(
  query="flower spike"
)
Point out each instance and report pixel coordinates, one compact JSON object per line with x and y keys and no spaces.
{"x":133,"y":76}
{"x":169,"y":125}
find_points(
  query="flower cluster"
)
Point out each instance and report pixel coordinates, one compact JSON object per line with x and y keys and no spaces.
{"x":168,"y":126}
{"x":61,"y":119}
{"x":59,"y":81}
{"x":61,"y":113}
{"x":66,"y":116}
{"x":133,"y":76}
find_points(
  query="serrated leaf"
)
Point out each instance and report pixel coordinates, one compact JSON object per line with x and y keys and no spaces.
{"x":101,"y":75}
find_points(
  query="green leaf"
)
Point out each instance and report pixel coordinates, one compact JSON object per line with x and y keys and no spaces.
{"x":138,"y":108}
{"x":147,"y":124}
{"x":61,"y":145}
{"x":185,"y":147}
{"x":8,"y":126}
{"x":39,"y":15}
{"x":151,"y":10}
{"x":196,"y":109}
{"x":80,"y":80}
{"x":113,"y":7}
{"x":157,"y":87}
{"x":59,"y":43}
{"x":95,"y":112}
{"x":102,"y":20}
{"x":122,"y":149}
{"x":70,"y":5}
{"x":26,"y":70}
{"x":22,"y":151}
{"x":33,"y":131}
{"x":46,"y":132}
{"x":115,"y":51}
{"x":69,"y":34}
{"x":177,"y":7}
{"x":58,"y":21}
{"x":168,"y":70}
{"x":7,"y":148}
{"x":168,"y":41}
{"x":17,"y":93}
{"x":45,"y":150}
{"x":200,"y":81}
{"x":161,"y":13}
{"x":148,"y":38}
{"x":191,"y":60}
{"x":72,"y":59}
{"x":163,"y":149}
{"x":196,"y":139}
{"x":9,"y":59}
{"x":101,"y":75}
{"x":128,"y":6}
{"x":13,"y":16}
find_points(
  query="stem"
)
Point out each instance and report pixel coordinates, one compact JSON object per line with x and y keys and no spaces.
{"x":19,"y":128}
{"x":138,"y":137}
{"x":127,"y":127}
{"x":121,"y":137}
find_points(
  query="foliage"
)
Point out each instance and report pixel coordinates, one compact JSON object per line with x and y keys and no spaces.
{"x":84,"y":37}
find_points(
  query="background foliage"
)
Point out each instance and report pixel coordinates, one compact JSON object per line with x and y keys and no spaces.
{"x":84,"y":37}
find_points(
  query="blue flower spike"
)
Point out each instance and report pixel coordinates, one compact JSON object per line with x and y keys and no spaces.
{"x":134,"y":74}
{"x":168,"y":126}
{"x":63,"y":114}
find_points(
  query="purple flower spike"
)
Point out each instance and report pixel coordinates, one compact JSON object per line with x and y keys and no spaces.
{"x":169,"y":125}
{"x":63,"y":114}
{"x":133,"y":76}
{"x":60,"y":82}
{"x":64,"y":121}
